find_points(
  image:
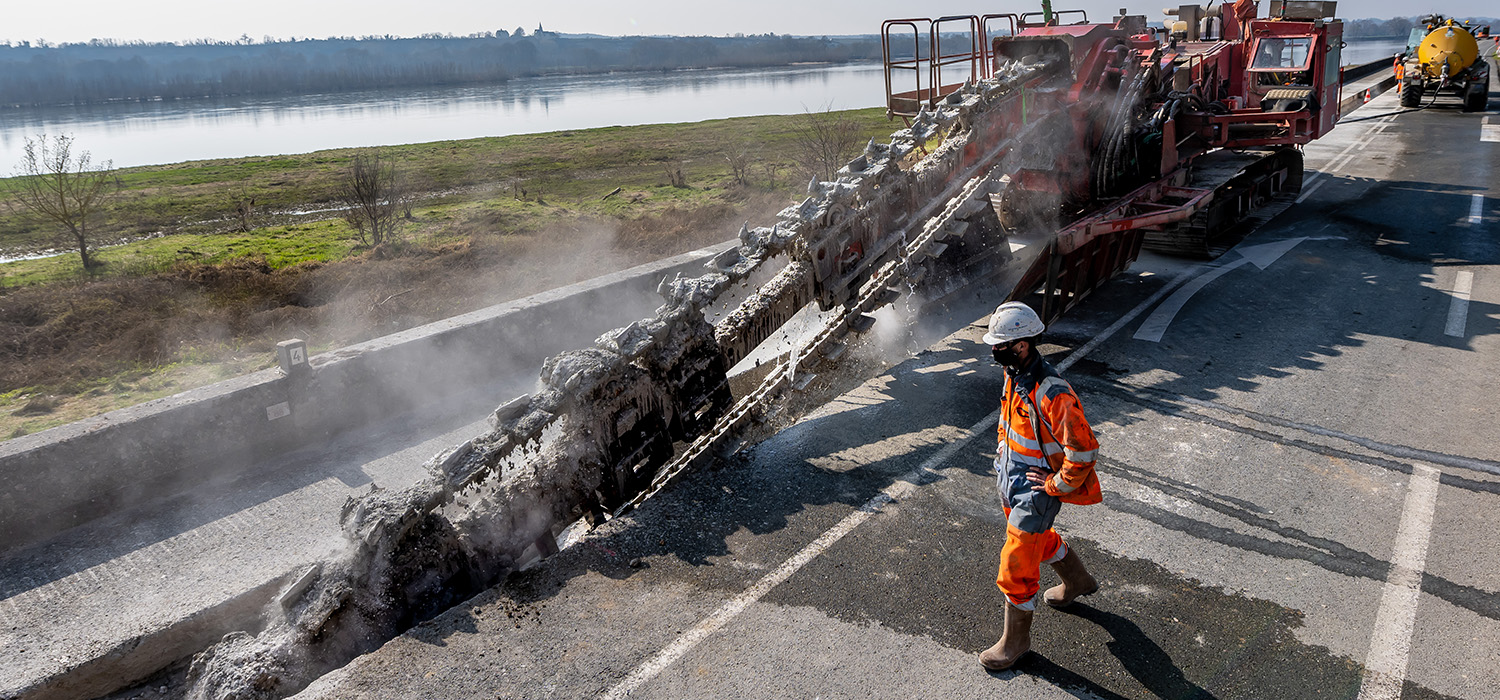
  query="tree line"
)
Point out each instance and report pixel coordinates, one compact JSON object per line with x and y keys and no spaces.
{"x":1396,"y":28}
{"x":107,"y":71}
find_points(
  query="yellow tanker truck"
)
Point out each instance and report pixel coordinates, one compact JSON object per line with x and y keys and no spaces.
{"x":1445,"y":56}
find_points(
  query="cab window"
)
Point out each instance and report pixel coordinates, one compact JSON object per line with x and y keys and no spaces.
{"x":1277,"y":53}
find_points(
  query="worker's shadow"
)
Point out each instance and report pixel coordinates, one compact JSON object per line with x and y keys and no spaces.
{"x":1141,"y":657}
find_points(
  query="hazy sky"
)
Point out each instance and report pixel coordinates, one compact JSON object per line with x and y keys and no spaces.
{"x":177,"y":20}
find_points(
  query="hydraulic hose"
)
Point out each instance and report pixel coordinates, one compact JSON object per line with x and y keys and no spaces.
{"x":1399,"y":111}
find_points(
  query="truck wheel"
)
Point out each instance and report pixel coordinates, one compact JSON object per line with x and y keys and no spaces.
{"x":1477,"y":100}
{"x":1411,"y":95}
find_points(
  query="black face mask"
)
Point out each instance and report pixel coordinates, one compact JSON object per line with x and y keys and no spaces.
{"x":1007,"y":355}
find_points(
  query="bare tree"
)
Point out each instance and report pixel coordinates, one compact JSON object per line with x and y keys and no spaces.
{"x":823,"y":142}
{"x":771,"y":169}
{"x":68,"y":190}
{"x":242,"y":205}
{"x":739,"y":164}
{"x":372,"y":196}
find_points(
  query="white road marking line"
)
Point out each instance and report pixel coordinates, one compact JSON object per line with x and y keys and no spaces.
{"x":1308,"y":192}
{"x":1488,"y":131}
{"x":1390,"y":641}
{"x":1476,"y":210}
{"x":1377,"y":131}
{"x":1363,"y":141}
{"x":1458,"y":309}
{"x":898,"y":490}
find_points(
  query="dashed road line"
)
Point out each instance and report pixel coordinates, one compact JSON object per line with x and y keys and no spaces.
{"x":1390,"y":642}
{"x":902,"y":487}
{"x":1489,"y":131}
{"x":1458,"y":309}
{"x":1380,"y":127}
{"x":1476,"y":210}
{"x":1308,"y":192}
{"x":1349,"y":153}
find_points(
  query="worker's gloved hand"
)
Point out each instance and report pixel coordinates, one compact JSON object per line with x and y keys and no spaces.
{"x":1038,"y":478}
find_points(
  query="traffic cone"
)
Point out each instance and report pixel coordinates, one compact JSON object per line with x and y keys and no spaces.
{"x":1367,"y":96}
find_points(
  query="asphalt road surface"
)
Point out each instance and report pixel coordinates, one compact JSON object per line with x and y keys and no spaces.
{"x":1300,"y":460}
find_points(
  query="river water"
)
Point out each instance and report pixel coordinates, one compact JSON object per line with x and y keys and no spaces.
{"x":168,"y":132}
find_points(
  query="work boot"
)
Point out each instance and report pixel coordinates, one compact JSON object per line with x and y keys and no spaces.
{"x":1076,"y":582}
{"x":1013,"y":644}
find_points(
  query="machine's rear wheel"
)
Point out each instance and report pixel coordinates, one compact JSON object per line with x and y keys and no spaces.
{"x":1411,"y":95}
{"x":1477,"y":100}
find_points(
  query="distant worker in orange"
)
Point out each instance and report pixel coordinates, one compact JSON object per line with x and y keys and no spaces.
{"x":1046,"y":458}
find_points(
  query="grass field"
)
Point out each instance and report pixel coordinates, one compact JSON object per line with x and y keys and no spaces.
{"x":573,"y":168}
{"x":188,"y":301}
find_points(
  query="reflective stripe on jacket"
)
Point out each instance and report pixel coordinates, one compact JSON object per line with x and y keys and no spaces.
{"x":1067,"y":446}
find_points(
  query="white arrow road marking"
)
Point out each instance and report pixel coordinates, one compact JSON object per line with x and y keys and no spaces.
{"x":1458,"y":310}
{"x":1262,"y":255}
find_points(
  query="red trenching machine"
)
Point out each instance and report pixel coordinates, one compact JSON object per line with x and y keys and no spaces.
{"x":1172,"y":137}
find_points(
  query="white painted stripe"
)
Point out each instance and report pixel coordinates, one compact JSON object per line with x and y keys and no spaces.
{"x":1390,"y":641}
{"x":1476,"y":210}
{"x":1308,"y":191}
{"x":1458,"y":309}
{"x":903,"y":486}
{"x":1489,"y":131}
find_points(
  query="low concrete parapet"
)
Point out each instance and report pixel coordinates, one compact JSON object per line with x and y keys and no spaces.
{"x":59,"y":478}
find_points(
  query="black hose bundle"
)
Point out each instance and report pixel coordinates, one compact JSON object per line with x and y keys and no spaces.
{"x":1118,"y":150}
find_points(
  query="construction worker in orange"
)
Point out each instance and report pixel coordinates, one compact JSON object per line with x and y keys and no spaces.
{"x":1045,"y":459}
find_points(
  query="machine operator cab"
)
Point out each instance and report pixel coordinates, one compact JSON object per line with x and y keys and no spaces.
{"x":1293,"y":63}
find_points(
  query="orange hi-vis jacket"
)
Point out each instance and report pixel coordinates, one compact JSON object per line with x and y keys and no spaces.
{"x":1066,"y":448}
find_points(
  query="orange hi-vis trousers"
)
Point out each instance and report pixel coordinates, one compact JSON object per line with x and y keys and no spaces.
{"x":1021,"y":562}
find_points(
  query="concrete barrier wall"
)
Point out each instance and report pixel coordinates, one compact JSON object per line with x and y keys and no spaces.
{"x":58,"y":478}
{"x":1349,"y":74}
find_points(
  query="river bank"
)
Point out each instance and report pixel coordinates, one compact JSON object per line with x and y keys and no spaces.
{"x":498,"y":218}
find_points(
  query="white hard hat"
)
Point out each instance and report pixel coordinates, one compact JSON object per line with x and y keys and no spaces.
{"x":1011,"y":322}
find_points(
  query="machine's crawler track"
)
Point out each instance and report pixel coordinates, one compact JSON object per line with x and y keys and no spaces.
{"x":1242,"y":183}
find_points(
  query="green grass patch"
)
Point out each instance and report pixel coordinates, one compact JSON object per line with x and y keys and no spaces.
{"x":279,"y":246}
